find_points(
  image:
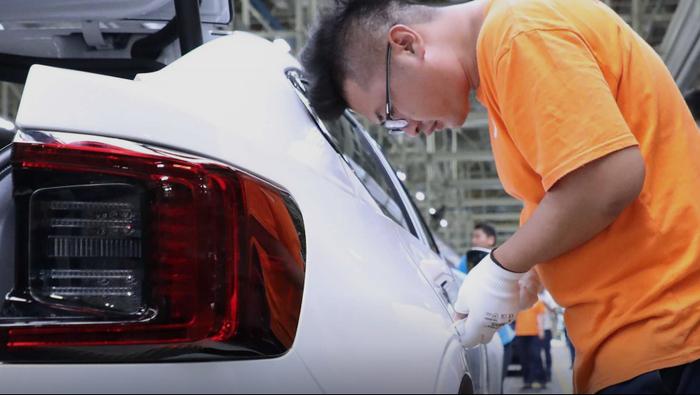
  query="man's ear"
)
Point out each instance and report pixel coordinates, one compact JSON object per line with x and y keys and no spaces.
{"x":406,"y":39}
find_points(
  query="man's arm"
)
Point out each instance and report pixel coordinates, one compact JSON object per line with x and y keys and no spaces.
{"x":575,"y":210}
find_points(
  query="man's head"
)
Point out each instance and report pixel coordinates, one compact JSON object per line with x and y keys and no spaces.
{"x":484,"y":236}
{"x":346,"y":63}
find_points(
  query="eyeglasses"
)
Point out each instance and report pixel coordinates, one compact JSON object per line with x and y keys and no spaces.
{"x":394,"y":126}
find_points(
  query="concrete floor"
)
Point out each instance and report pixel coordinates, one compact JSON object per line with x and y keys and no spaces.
{"x":561,"y":375}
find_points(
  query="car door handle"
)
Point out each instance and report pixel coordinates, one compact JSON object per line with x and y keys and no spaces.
{"x":436,"y":272}
{"x":445,"y":293}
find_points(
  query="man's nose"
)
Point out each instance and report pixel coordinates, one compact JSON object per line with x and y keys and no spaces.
{"x":412,"y":128}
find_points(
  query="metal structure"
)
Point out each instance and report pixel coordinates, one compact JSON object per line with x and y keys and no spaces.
{"x":277,"y":19}
{"x":9,"y":99}
{"x":452,"y":173}
{"x":650,"y":18}
{"x":681,"y":46}
{"x":189,"y":23}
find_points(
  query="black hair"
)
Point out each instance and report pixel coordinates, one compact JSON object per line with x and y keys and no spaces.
{"x":488,"y":229}
{"x":326,"y":58}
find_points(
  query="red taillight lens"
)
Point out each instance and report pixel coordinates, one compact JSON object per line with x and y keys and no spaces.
{"x":161,"y":254}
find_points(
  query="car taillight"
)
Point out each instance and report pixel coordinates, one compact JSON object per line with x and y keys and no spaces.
{"x":131,"y":253}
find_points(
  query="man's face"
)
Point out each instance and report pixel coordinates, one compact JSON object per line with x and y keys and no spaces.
{"x":481,"y":239}
{"x":429,"y":89}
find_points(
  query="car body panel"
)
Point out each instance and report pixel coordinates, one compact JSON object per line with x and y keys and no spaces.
{"x":286,"y":374}
{"x":494,"y":359}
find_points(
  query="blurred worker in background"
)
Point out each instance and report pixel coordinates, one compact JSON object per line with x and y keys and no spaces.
{"x":484,"y":235}
{"x":530,"y":334}
{"x":483,"y":241}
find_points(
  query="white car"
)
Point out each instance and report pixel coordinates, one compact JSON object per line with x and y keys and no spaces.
{"x":198,"y":229}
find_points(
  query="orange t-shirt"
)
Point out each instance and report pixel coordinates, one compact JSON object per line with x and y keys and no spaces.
{"x":527,"y":322}
{"x":567,"y":82}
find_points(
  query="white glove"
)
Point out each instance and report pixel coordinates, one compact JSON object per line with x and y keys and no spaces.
{"x":491,"y":297}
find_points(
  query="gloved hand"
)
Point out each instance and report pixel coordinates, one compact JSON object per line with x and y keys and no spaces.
{"x":491,"y":297}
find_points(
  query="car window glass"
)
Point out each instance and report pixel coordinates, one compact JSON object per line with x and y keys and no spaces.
{"x":421,"y":222}
{"x":357,"y":150}
{"x":6,"y":138}
{"x":355,"y":147}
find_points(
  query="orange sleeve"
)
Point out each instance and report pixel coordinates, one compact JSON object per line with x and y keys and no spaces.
{"x":556,"y":103}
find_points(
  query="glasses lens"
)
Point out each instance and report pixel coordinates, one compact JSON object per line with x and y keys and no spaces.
{"x":395,"y":124}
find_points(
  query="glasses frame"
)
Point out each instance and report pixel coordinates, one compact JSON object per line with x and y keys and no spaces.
{"x":393,"y":125}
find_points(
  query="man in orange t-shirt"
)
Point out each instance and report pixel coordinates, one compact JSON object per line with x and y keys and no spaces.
{"x":588,"y":130}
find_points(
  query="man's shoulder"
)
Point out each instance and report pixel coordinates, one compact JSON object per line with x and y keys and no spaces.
{"x":512,"y":17}
{"x":507,"y":19}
